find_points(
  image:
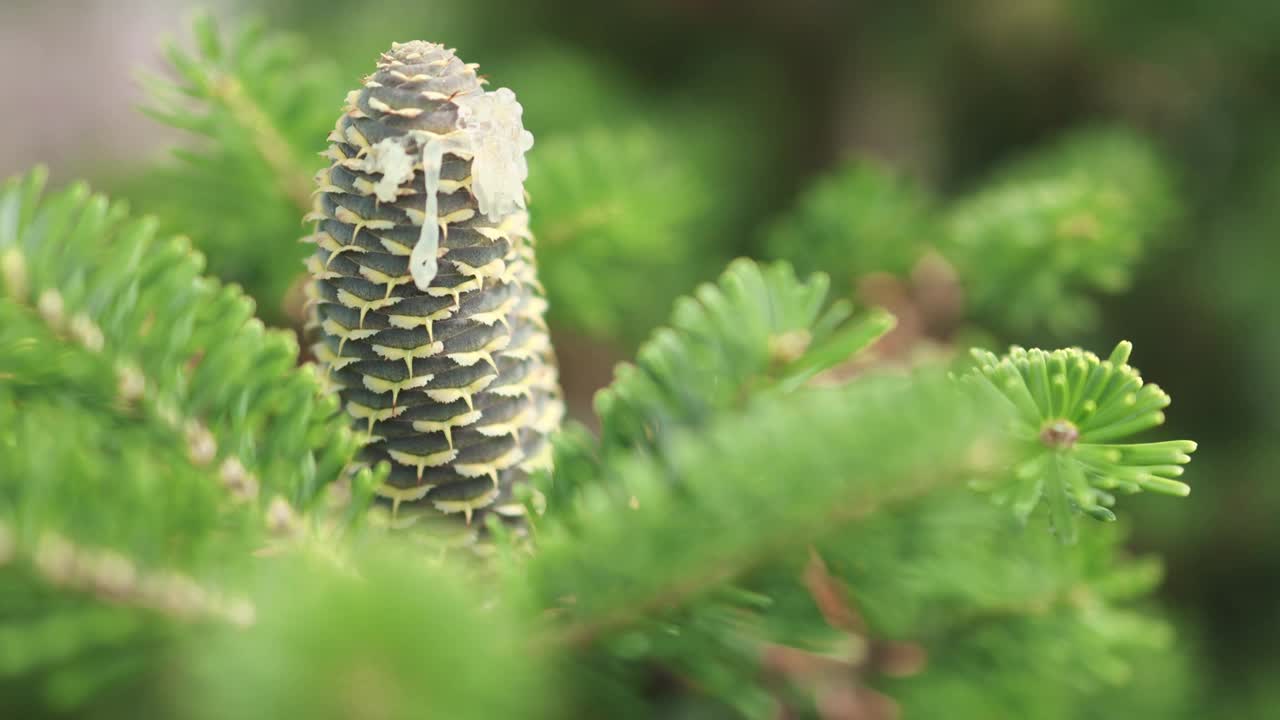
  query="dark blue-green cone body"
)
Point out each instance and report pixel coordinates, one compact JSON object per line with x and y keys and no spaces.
{"x":450,"y":372}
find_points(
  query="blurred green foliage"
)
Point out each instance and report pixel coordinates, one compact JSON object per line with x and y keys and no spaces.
{"x":852,"y":139}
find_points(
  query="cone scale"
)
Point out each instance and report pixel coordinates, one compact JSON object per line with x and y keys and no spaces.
{"x":425,"y":302}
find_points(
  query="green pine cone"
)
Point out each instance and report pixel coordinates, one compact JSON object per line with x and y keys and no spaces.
{"x":432,"y":332}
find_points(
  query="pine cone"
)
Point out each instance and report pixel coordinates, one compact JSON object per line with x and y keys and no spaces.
{"x":425,"y":296}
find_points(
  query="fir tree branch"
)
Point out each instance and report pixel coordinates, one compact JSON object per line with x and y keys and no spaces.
{"x":773,"y":544}
{"x":153,"y":434}
{"x":293,"y":178}
{"x":418,"y":640}
{"x":173,"y":337}
{"x":859,"y":220}
{"x":882,"y":442}
{"x":758,"y":327}
{"x":218,"y":76}
{"x":612,"y":198}
{"x":107,"y":576}
{"x":1072,"y":409}
{"x":1057,"y":226}
{"x":1030,"y":246}
{"x":255,"y":108}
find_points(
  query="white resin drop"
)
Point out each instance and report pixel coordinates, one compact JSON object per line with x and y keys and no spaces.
{"x":491,"y":133}
{"x":389,"y":158}
{"x":498,"y":144}
{"x":422,"y":261}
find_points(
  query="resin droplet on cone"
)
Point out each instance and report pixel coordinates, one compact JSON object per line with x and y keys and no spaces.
{"x":425,"y":295}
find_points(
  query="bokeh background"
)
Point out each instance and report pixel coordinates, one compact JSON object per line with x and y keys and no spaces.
{"x":733,"y":108}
